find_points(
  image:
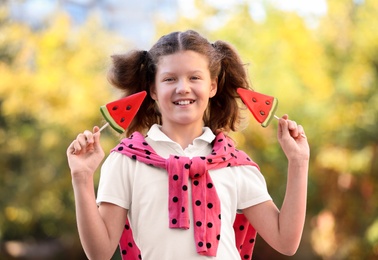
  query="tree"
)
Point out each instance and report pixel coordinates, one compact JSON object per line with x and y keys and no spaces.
{"x":53,"y":82}
{"x":347,"y":160}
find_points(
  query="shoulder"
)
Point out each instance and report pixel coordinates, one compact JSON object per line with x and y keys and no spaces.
{"x":117,"y":162}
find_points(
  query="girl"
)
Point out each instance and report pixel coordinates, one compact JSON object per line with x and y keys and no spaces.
{"x":178,"y":177}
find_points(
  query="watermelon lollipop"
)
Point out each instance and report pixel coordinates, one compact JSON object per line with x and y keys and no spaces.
{"x":262,"y":106}
{"x":121,"y":112}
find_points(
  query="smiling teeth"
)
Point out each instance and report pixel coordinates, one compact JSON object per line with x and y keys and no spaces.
{"x":184,"y":102}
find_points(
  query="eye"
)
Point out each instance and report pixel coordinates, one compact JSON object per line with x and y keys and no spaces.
{"x":195,"y":78}
{"x":168,"y":79}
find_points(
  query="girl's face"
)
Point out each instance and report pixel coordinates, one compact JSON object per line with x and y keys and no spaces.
{"x":182,"y":89}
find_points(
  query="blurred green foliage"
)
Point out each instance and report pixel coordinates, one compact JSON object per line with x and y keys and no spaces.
{"x":52,"y":82}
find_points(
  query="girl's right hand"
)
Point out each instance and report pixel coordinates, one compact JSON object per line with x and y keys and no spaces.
{"x":85,"y":154}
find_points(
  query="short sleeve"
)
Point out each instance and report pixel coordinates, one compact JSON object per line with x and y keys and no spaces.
{"x":115,"y":181}
{"x":252,"y":188}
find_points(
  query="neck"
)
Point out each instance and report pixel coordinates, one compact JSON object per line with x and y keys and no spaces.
{"x":183,"y":135}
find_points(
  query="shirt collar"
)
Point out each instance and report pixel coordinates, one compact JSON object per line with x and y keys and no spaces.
{"x":164,"y":146}
{"x":157,"y":135}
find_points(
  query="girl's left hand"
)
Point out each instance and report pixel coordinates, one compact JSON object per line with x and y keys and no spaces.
{"x":292,"y":139}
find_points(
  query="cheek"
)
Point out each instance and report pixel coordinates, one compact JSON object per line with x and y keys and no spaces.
{"x":161,"y":95}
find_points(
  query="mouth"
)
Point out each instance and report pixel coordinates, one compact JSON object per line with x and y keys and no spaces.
{"x":183,"y":102}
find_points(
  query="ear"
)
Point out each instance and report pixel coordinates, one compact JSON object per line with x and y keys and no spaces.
{"x":153,"y":92}
{"x":213,"y":87}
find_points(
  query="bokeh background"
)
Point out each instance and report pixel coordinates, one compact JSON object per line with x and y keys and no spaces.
{"x":319,"y":58}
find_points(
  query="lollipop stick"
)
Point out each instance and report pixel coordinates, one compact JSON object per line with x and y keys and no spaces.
{"x":276,"y":117}
{"x":103,"y":127}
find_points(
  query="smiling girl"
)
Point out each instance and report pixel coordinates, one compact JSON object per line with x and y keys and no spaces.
{"x":177,"y":177}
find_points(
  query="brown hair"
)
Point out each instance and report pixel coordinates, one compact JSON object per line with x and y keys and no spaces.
{"x":136,"y":70}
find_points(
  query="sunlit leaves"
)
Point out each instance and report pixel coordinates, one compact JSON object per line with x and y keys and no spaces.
{"x":53,"y":82}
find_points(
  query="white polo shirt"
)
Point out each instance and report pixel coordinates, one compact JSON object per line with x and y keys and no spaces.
{"x":143,"y":190}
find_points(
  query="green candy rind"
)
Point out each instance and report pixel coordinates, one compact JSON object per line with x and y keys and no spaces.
{"x":271,"y":113}
{"x":110,"y":120}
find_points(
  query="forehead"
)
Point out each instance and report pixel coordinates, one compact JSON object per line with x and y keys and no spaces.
{"x":185,"y":58}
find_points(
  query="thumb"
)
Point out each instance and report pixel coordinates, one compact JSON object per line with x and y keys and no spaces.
{"x":283,"y":128}
{"x":96,"y":136}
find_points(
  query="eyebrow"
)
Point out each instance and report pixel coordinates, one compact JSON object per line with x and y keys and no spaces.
{"x":190,"y":72}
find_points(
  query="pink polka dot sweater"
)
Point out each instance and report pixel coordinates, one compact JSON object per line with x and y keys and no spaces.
{"x":182,"y":172}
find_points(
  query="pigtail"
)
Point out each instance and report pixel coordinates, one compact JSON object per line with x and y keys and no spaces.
{"x":131,"y":73}
{"x":232,"y":75}
{"x":128,"y":72}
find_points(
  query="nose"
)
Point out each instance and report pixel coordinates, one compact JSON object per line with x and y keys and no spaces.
{"x":183,"y":87}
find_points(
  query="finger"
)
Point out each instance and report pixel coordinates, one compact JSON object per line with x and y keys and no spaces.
{"x":74,"y":148}
{"x":71,"y":148}
{"x":81,"y":140}
{"x":89,"y":137}
{"x":292,"y":124}
{"x":293,"y":127}
{"x":77,"y":147}
{"x":301,"y":131}
{"x":96,"y":130}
